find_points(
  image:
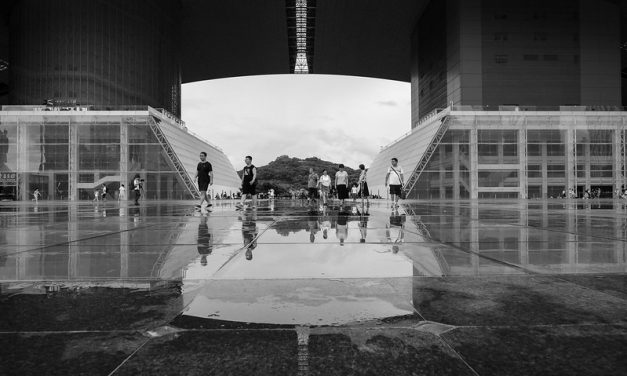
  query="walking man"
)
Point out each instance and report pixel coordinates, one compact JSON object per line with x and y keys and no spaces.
{"x":136,"y":184}
{"x":204,"y":176}
{"x":249,"y":183}
{"x":312,"y":186}
{"x":341,"y":184}
{"x":394,"y":178}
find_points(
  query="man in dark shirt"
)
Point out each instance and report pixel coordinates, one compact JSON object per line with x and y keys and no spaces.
{"x":204,"y":175}
{"x":249,"y":183}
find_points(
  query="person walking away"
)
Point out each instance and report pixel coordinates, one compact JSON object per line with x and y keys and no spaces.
{"x":136,"y":188}
{"x":341,"y":184}
{"x":122,"y":193}
{"x":204,"y":176}
{"x":363,"y":185}
{"x":324,"y":183}
{"x":249,"y":183}
{"x":394,"y":178}
{"x":312,"y":186}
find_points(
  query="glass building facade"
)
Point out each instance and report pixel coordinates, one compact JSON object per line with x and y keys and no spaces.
{"x":111,"y":53}
{"x":459,"y":154}
{"x":70,"y":154}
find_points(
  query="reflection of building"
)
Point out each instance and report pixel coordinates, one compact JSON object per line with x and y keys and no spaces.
{"x":468,"y":152}
{"x":68,"y":154}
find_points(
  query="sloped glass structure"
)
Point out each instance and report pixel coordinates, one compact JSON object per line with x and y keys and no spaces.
{"x":463,"y":152}
{"x":68,"y":153}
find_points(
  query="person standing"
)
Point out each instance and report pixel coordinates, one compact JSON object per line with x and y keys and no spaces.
{"x":204,"y":176}
{"x":394,"y":178}
{"x":363,"y":185}
{"x":96,"y":194}
{"x":122,"y":193}
{"x":312,"y":186}
{"x":324,"y":184}
{"x":341,"y":184}
{"x":104,"y":193}
{"x":249,"y":183}
{"x":136,"y":188}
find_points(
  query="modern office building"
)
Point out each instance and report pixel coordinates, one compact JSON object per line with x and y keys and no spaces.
{"x":464,"y":152}
{"x":68,"y":153}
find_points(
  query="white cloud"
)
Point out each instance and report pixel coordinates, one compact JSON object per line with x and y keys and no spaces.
{"x":336,"y":118}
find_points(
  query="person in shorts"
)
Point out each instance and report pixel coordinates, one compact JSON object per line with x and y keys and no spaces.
{"x":312,"y":186}
{"x":204,"y":176}
{"x":363,"y":185}
{"x":249,"y":183}
{"x":341,"y":184}
{"x":324,"y":184}
{"x":394,"y":178}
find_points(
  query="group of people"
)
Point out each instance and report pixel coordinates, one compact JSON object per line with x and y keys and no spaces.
{"x":318,"y":186}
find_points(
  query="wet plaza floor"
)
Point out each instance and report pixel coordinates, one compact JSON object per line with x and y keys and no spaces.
{"x":433,"y":288}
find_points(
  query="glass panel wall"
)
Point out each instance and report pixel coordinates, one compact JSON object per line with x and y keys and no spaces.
{"x":447,"y":175}
{"x":74,"y":156}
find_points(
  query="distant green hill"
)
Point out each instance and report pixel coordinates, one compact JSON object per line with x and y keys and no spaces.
{"x":287,"y":173}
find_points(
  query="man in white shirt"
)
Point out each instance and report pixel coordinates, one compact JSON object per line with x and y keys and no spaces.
{"x":394,"y":178}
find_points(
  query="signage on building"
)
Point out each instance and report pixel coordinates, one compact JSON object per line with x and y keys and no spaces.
{"x":8,"y":178}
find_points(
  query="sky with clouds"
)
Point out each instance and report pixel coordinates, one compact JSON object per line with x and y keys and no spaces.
{"x":336,"y":118}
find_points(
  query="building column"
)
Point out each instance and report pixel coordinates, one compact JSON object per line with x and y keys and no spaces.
{"x":522,"y":160}
{"x":124,"y":154}
{"x":617,"y":152}
{"x":73,"y":163}
{"x":571,"y":160}
{"x":523,"y":234}
{"x":456,"y":166}
{"x":474,"y":164}
{"x":544,"y":169}
{"x":22,"y":162}
{"x":474,"y":237}
{"x":442,"y":174}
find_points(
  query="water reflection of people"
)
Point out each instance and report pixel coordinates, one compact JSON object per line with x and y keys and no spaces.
{"x":249,"y":233}
{"x":363,"y":224}
{"x":204,"y":241}
{"x":325,"y":222}
{"x":395,"y":230}
{"x":312,"y":225}
{"x":341,"y":227}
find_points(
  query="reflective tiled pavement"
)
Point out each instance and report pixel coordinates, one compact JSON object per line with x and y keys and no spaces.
{"x":434,"y":288}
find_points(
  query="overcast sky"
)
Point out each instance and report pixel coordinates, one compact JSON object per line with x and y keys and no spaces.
{"x":336,"y":118}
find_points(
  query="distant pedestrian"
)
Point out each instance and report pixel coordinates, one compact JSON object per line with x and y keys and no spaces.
{"x":96,"y":194}
{"x":394,"y":178}
{"x":324,"y":184}
{"x":137,"y":188}
{"x":104,"y":193}
{"x":249,"y":183}
{"x":341,"y":184}
{"x":354,"y":192}
{"x":122,"y":193}
{"x":312,"y":186}
{"x":363,"y":185}
{"x":204,"y":176}
{"x":36,"y":195}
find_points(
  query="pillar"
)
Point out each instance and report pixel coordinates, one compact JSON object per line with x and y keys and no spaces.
{"x":474,"y":163}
